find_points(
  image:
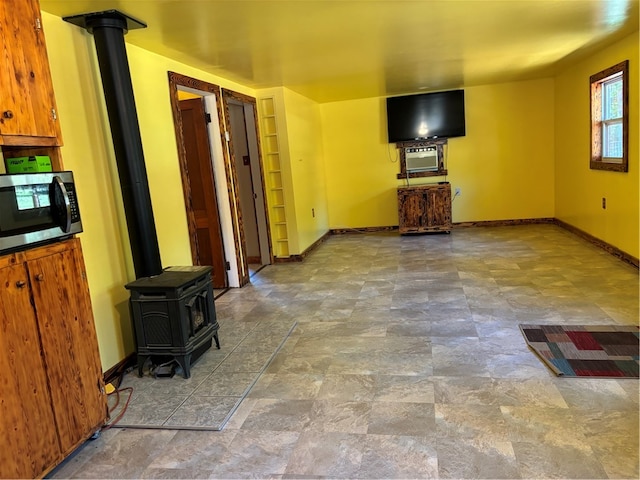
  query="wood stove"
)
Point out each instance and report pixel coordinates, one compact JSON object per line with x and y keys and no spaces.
{"x":172,"y":309}
{"x":174,"y":315}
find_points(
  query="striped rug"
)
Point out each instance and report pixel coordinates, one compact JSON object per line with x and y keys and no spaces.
{"x":608,"y":351}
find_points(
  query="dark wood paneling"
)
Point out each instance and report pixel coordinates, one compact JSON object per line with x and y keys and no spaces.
{"x":503,"y":223}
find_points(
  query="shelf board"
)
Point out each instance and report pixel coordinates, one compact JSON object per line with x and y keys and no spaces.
{"x":439,"y":173}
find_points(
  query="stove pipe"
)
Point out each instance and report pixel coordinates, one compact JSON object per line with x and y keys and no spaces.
{"x":108,"y":29}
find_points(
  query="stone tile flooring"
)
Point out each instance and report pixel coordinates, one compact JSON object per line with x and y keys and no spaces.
{"x":407,"y":362}
{"x":219,"y":381}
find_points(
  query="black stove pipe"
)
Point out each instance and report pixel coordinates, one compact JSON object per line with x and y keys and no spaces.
{"x":108,"y":29}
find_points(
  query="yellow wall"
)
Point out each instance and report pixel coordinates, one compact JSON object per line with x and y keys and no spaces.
{"x":88,"y":152}
{"x":299,"y":131}
{"x":339,"y":163}
{"x":579,"y":190}
{"x":503,"y":166}
{"x":281,"y":203}
{"x":361,"y":168}
{"x":304,"y":133}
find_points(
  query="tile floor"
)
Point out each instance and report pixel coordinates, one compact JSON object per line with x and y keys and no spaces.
{"x":219,"y":381}
{"x":407,"y":362}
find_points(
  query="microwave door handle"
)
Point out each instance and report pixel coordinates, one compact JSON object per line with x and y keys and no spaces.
{"x":60,"y":204}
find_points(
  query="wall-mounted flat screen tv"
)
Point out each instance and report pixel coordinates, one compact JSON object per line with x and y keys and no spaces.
{"x":426,"y":116}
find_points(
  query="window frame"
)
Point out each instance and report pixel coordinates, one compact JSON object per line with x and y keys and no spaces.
{"x":597,"y":161}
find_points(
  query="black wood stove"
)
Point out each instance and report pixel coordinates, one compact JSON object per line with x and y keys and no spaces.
{"x":172,"y":309}
{"x":174,"y":315}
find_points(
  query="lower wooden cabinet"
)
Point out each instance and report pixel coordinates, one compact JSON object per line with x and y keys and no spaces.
{"x":28,"y":438}
{"x":424,"y":208}
{"x":52,"y":391}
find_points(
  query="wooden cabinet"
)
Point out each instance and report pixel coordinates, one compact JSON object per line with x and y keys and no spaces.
{"x":28,"y":439}
{"x":52,"y":394}
{"x":424,"y":208}
{"x":51,"y":384}
{"x":27,"y":103}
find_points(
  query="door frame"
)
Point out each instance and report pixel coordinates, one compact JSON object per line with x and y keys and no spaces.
{"x":263,"y":226}
{"x":230,"y":217}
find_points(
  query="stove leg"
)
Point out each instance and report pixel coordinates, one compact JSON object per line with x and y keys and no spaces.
{"x":142,"y":359}
{"x":185,"y":362}
{"x":215,"y":337}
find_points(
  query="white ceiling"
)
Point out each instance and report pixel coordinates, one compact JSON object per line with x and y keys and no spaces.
{"x":332,"y":50}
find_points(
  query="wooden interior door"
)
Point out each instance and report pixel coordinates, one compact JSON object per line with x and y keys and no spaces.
{"x":203,"y":202}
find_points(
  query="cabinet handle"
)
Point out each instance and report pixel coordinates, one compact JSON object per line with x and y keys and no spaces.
{"x":21,"y":283}
{"x":39,"y":277}
{"x":7,"y":114}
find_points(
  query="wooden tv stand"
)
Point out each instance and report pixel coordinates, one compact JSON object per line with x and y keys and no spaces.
{"x":424,"y":208}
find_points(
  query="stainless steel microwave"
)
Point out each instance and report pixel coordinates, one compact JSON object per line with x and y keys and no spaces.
{"x":37,"y":208}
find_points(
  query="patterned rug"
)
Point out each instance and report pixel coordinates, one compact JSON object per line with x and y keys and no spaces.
{"x":586,"y":350}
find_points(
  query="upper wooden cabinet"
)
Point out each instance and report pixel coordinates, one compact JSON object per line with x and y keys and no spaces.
{"x":28,"y":115}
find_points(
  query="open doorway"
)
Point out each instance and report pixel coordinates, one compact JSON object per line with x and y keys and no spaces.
{"x":218,"y":185}
{"x":241,"y":114}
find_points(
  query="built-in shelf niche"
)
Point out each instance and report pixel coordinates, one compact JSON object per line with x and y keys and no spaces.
{"x":274,"y":181}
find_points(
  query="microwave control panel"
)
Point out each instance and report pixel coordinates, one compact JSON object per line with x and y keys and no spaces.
{"x":73,"y":202}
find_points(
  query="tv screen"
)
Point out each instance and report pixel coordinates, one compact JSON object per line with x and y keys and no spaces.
{"x":426,"y":116}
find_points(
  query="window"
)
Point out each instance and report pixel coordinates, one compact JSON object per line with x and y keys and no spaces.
{"x":610,"y":118}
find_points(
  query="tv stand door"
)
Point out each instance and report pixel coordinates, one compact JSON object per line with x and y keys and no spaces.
{"x":424,"y":208}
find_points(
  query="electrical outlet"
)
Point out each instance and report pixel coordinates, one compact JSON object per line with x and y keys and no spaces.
{"x":458,"y":191}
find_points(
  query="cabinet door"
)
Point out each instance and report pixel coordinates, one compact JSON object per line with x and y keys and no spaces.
{"x":27,"y":101}
{"x":69,"y":342}
{"x":411,"y":210}
{"x":28,"y":440}
{"x":438,"y":212}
